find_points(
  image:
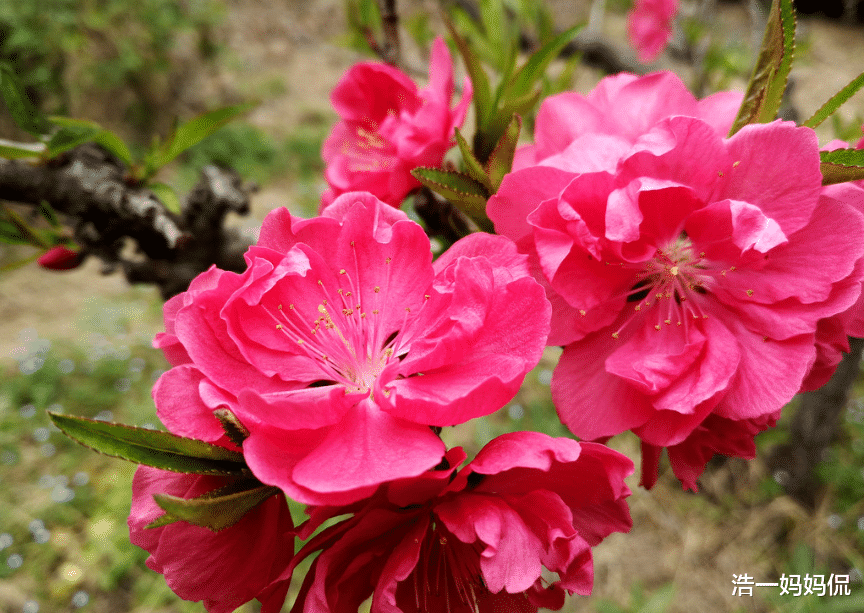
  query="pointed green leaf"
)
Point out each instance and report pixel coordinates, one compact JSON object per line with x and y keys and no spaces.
{"x":494,"y":25}
{"x":465,"y":193}
{"x":31,"y":236}
{"x":479,"y":80}
{"x":472,"y":164}
{"x":768,"y":81}
{"x":836,"y":101}
{"x":215,"y":510}
{"x":660,"y":600}
{"x":233,"y":427}
{"x":151,"y":447}
{"x":10,"y":234}
{"x":23,"y":112}
{"x":12,"y":150}
{"x":533,"y":70}
{"x":74,"y":132}
{"x":842,"y":165}
{"x":49,"y":214}
{"x":69,"y":137}
{"x":166,"y":195}
{"x":501,"y":160}
{"x":194,"y":131}
{"x":19,"y":263}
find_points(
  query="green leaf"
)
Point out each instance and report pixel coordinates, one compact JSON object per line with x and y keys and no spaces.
{"x":233,"y":427}
{"x":768,"y":81}
{"x":532,"y":71}
{"x":836,"y":101}
{"x":166,"y":195}
{"x":465,"y":193}
{"x":495,"y":27}
{"x":19,"y":263}
{"x":49,"y":214}
{"x":12,"y":150}
{"x":74,"y":132}
{"x":30,"y":235}
{"x":152,"y":447}
{"x":842,"y":165}
{"x":472,"y":164}
{"x":660,"y":600}
{"x":193,"y":132}
{"x":23,"y":112}
{"x":217,"y":509}
{"x":479,"y":81}
{"x":11,"y":235}
{"x":68,"y":137}
{"x":501,"y":160}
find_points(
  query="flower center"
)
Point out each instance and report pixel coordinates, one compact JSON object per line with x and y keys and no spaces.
{"x":348,"y":341}
{"x":447,"y":576}
{"x":670,"y":284}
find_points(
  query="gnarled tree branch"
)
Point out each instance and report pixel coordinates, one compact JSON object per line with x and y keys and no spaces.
{"x":90,"y":188}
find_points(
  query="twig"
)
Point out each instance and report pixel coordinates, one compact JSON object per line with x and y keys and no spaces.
{"x":390,"y":50}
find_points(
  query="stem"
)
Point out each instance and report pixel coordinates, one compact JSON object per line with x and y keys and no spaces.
{"x":390,"y":50}
{"x":815,"y":426}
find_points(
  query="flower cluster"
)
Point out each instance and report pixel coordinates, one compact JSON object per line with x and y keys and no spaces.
{"x":388,"y":127}
{"x":342,"y":351}
{"x":689,"y":275}
{"x":649,"y":27}
{"x":685,"y":273}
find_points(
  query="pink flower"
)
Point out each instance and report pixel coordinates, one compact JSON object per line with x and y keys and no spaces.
{"x":388,"y":127}
{"x":688,"y":283}
{"x":475,"y":540}
{"x":649,"y":27}
{"x":59,"y":258}
{"x":832,"y":332}
{"x":224,"y":569}
{"x":343,"y":342}
{"x":588,"y":133}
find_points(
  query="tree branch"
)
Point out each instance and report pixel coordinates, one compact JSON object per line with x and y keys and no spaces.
{"x":814,"y":427}
{"x":390,"y":50}
{"x":88,"y":185}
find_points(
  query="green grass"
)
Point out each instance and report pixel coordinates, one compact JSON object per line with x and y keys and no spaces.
{"x":64,"y":544}
{"x":63,"y":508}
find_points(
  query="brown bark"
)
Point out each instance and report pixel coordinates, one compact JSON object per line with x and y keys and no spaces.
{"x":815,"y":426}
{"x":91,"y":189}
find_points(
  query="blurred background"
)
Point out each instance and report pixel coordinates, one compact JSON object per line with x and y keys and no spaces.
{"x":78,"y":342}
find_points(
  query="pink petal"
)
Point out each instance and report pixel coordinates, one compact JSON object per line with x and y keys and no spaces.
{"x":769,"y":373}
{"x":581,"y":378}
{"x":776,"y":168}
{"x":368,"y":447}
{"x":179,"y":405}
{"x":519,"y":194}
{"x":224,"y":569}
